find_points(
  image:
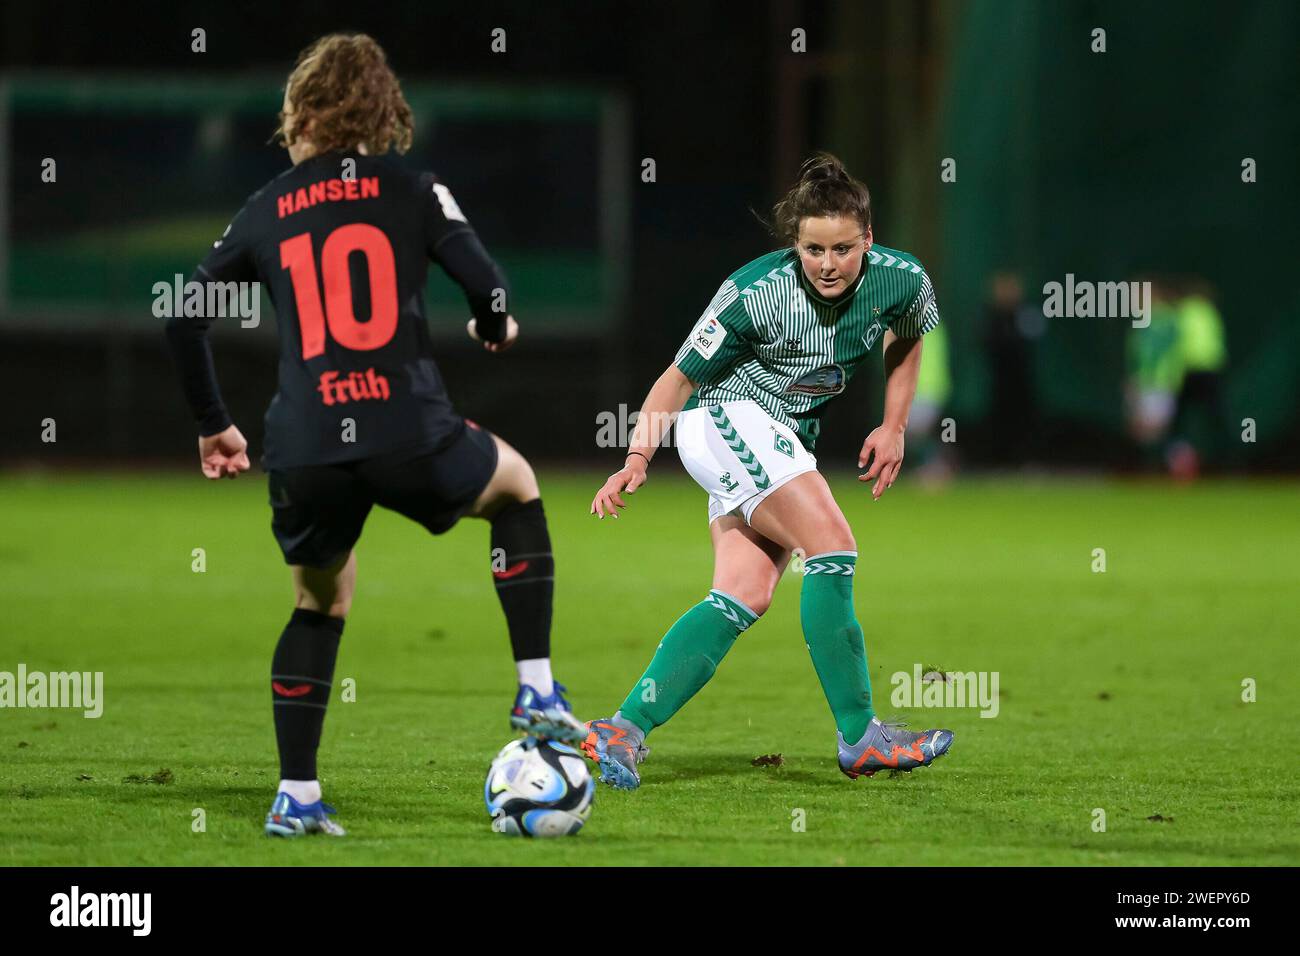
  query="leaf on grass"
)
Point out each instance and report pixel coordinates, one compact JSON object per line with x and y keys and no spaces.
{"x":1157,"y":818}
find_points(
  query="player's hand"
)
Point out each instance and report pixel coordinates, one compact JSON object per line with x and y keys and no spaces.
{"x":884,"y":448}
{"x":512,"y":333}
{"x":223,"y":455}
{"x":628,"y":479}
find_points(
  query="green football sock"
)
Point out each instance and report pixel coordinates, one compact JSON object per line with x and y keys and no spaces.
{"x":835,"y":640}
{"x":687,"y":657}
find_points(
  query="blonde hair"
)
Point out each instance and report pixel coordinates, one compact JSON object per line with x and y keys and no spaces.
{"x":343,"y":93}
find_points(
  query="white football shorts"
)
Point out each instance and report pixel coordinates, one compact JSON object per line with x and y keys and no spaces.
{"x":739,"y":454}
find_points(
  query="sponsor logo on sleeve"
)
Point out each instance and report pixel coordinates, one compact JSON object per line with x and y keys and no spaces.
{"x":708,"y":335}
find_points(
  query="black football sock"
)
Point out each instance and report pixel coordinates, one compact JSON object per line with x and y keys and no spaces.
{"x":524,"y":573}
{"x":302,"y":671}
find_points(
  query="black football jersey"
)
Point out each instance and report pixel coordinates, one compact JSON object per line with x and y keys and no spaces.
{"x":342,"y":243}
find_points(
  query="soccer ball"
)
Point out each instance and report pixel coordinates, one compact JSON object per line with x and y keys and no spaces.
{"x":538,"y":788}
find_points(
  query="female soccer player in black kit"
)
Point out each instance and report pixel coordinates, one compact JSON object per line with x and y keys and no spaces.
{"x":342,"y":241}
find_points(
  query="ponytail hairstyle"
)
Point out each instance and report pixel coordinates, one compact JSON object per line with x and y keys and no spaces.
{"x":825,"y":188}
{"x":344,"y":93}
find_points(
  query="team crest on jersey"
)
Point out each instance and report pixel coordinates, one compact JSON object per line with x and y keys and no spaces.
{"x":784,"y":445}
{"x":827,"y":380}
{"x":708,"y":335}
{"x":873,"y":332}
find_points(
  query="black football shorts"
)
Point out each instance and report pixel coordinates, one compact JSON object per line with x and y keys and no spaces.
{"x":318,"y":511}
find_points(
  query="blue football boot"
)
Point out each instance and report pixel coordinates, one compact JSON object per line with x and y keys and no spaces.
{"x":289,"y":818}
{"x":552,"y":717}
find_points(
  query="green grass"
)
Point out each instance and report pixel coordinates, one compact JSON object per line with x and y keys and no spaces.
{"x":1120,"y":691}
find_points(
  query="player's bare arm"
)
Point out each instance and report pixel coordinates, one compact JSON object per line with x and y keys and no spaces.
{"x":884,"y":446}
{"x":665,"y":399}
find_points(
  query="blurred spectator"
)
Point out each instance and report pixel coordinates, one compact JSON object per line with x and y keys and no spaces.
{"x":1201,"y":420}
{"x":1155,"y":374}
{"x":1011,"y":327}
{"x":933,"y":389}
{"x":1174,"y":391}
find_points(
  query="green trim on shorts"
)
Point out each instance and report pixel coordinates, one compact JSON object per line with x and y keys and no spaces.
{"x":737,"y":444}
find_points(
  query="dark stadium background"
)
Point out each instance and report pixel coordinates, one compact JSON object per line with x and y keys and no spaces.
{"x":1108,"y":166}
{"x":1137,"y":632}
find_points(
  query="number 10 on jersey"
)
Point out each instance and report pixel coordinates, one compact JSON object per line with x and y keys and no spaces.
{"x":337,"y":312}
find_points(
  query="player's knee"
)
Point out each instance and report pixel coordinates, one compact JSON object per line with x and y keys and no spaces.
{"x":513,"y":482}
{"x":326,"y":590}
{"x":523,"y":481}
{"x":337,"y":605}
{"x":334,"y":600}
{"x":832,"y":536}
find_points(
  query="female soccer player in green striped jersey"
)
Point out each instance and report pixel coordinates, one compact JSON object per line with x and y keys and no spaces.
{"x":781,"y":338}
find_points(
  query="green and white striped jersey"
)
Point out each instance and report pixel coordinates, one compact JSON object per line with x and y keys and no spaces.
{"x":769,"y":337}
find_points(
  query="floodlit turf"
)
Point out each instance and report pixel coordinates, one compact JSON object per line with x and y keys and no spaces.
{"x":1120,"y":691}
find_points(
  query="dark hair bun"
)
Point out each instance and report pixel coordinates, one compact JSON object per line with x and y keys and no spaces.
{"x":825,"y":188}
{"x":822,"y":167}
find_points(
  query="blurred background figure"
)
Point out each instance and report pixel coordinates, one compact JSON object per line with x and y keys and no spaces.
{"x":1155,"y":374}
{"x":1174,"y":392}
{"x":928,"y":445}
{"x":1011,"y":329}
{"x":1200,"y":433}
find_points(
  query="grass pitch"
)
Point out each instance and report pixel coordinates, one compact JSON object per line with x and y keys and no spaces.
{"x":1120,"y":691}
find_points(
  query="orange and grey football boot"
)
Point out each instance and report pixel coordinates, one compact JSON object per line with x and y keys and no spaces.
{"x":890,"y":747}
{"x":617,"y":746}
